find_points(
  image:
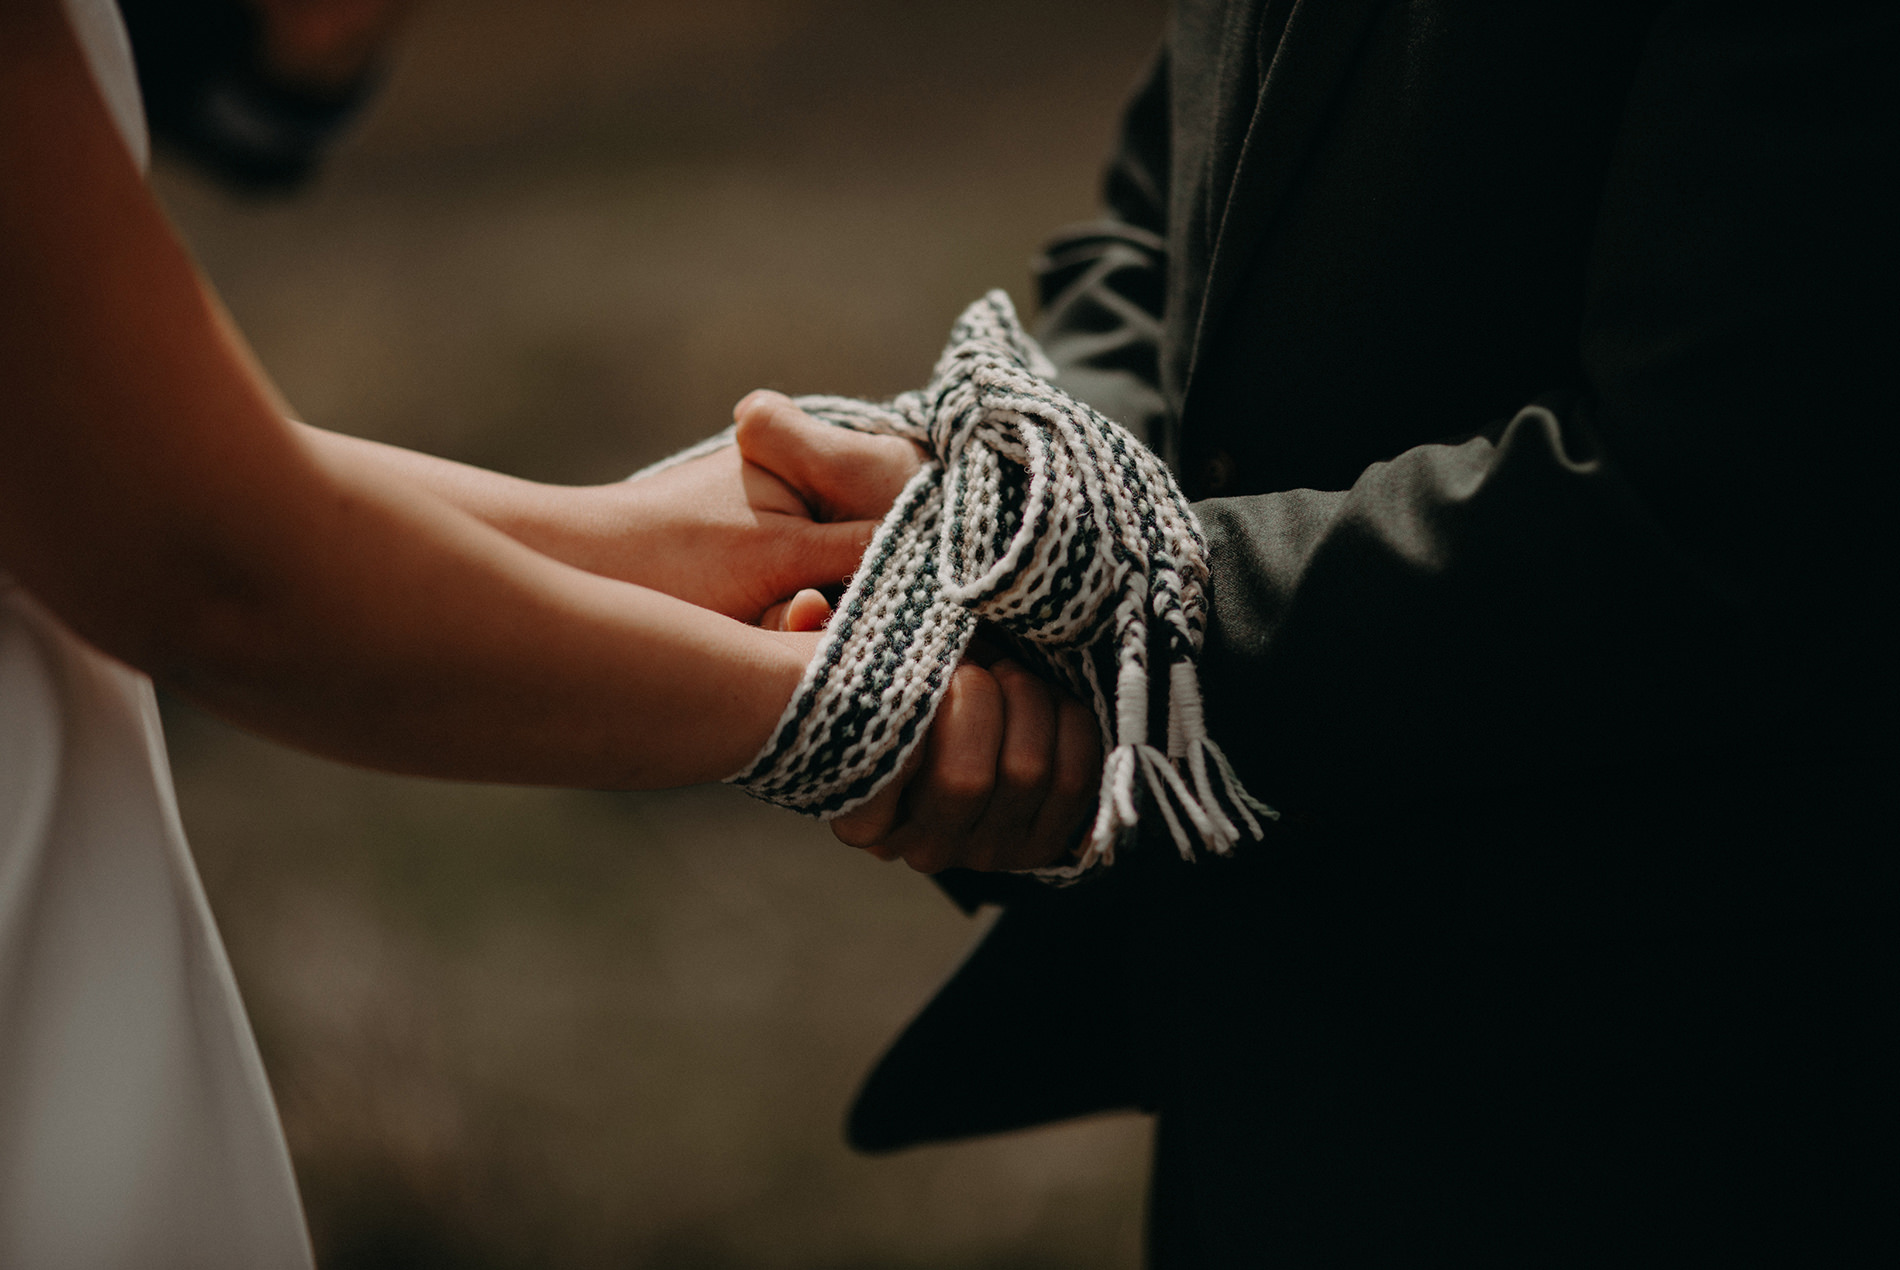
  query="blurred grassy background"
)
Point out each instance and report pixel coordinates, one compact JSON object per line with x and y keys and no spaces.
{"x":514,"y":1028}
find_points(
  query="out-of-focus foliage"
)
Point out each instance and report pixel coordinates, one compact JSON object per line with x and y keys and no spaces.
{"x":514,"y":1028}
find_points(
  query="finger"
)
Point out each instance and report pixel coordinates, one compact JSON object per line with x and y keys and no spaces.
{"x":1024,"y":767}
{"x":867,"y":826}
{"x":818,"y":554}
{"x":840,"y":473}
{"x":745,"y":403}
{"x":951,"y":790}
{"x":1074,"y":786}
{"x":764,"y":490}
{"x":807,"y":611}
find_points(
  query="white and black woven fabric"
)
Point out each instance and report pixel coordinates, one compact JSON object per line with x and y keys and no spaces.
{"x":1038,"y":516}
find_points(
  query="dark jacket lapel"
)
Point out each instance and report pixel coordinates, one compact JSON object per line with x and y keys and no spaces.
{"x":1305,"y":72}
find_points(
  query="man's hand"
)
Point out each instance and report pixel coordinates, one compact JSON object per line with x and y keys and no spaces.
{"x":1007,"y":777}
{"x":1005,"y":780}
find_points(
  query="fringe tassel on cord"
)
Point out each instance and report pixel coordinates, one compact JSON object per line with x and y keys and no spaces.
{"x":1041,"y":517}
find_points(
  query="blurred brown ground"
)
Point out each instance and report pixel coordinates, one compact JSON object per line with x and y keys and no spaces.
{"x":514,"y":1028}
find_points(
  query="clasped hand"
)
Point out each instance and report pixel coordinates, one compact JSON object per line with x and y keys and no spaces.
{"x":1006,"y":778}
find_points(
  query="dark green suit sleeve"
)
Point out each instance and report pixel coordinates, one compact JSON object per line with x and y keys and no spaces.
{"x":1680,"y":566}
{"x":1685,"y":562}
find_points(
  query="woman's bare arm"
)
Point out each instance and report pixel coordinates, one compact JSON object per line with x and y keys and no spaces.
{"x":152,"y":495}
{"x":717,"y":531}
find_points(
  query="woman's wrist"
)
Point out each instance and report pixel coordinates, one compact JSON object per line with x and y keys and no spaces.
{"x":599,"y":528}
{"x":773,"y":666}
{"x":592,"y":527}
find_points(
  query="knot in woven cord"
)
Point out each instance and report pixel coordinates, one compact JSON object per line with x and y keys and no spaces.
{"x":1037,"y":515}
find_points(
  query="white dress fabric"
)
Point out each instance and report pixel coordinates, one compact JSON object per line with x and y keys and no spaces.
{"x":136,"y":1125}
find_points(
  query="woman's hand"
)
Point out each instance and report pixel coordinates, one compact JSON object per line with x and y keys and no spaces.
{"x":791,"y":506}
{"x":840,"y":474}
{"x":728,"y":535}
{"x":718,"y":531}
{"x":1007,"y":777}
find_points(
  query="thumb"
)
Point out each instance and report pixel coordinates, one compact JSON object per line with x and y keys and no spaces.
{"x":807,"y":611}
{"x":820,"y":554}
{"x":841,"y":474}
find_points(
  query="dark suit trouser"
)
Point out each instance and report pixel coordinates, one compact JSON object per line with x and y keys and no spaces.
{"x":1717,"y":1098}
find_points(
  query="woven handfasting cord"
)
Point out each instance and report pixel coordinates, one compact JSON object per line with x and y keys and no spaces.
{"x":1034,"y":514}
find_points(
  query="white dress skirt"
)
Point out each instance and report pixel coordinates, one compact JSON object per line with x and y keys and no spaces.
{"x":136,"y":1125}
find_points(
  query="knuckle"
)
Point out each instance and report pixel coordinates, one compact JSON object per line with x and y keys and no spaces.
{"x":1008,"y":670}
{"x":1024,"y":687}
{"x":787,"y":418}
{"x":1024,"y":773}
{"x":860,"y":832}
{"x":754,"y":414}
{"x":1028,"y":694}
{"x":898,"y":458}
{"x":931,"y":858}
{"x":971,"y":685}
{"x":963,"y":787}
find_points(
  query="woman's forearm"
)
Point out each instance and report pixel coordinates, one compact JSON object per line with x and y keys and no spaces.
{"x":587,"y":526}
{"x":718,"y":531}
{"x":153,"y":497}
{"x":464,"y":654}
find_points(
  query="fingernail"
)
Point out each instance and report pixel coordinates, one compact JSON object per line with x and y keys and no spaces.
{"x":808,"y":611}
